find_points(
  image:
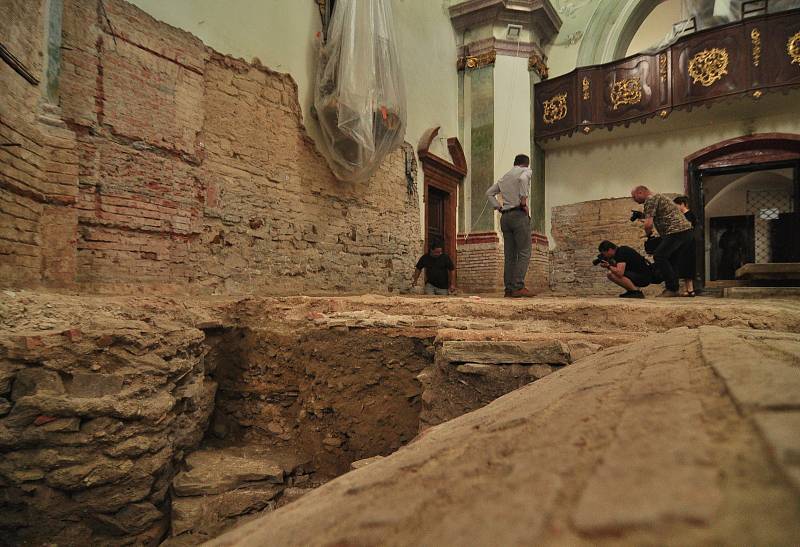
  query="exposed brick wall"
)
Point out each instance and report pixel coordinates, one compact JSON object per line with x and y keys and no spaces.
{"x":176,"y":167}
{"x":38,"y":174}
{"x":481,"y":263}
{"x":577,"y":229}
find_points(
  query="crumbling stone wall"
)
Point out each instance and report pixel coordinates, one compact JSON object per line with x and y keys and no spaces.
{"x":177,"y":167}
{"x":93,"y":422}
{"x":577,"y":229}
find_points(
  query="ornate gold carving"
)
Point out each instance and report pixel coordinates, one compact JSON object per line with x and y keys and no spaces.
{"x":757,"y":94}
{"x":755,"y":40}
{"x":586,"y":130}
{"x":708,"y":66}
{"x":585,"y":88}
{"x":626,"y":92}
{"x":554,"y":108}
{"x":662,"y":66}
{"x":537,"y":64}
{"x":477,"y":61}
{"x":793,"y":48}
{"x":664,"y":113}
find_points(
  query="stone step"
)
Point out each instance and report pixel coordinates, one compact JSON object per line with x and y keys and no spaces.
{"x":506,"y":352}
{"x":213,"y":471}
{"x":210,"y":513}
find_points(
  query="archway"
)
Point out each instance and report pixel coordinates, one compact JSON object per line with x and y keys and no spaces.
{"x":611,"y":29}
{"x":754,"y":164}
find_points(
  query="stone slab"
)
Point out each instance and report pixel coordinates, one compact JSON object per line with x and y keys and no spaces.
{"x":199,"y":512}
{"x":217,"y":471}
{"x":770,"y":271}
{"x":781,"y":432}
{"x":504,"y":352}
{"x":761,"y":292}
{"x":755,"y":376}
{"x":648,"y":479}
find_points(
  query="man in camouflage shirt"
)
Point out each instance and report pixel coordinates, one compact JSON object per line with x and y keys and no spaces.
{"x":675,"y":231}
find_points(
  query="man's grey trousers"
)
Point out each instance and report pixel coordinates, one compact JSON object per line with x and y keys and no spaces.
{"x":516,"y":227}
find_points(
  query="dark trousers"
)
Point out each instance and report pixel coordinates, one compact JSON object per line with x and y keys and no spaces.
{"x":516,"y":228}
{"x":665,"y":254}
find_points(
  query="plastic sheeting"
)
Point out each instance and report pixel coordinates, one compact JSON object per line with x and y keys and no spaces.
{"x":359,"y":99}
{"x":712,"y":13}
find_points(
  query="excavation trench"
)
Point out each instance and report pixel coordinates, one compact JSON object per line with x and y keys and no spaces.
{"x":293,"y":409}
{"x":331,"y":397}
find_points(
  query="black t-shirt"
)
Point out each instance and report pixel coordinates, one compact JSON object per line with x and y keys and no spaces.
{"x":436,"y":268}
{"x":690,"y":217}
{"x":634,"y":262}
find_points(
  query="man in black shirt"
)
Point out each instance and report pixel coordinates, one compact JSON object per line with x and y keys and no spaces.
{"x":626,"y":268}
{"x":439,"y":271}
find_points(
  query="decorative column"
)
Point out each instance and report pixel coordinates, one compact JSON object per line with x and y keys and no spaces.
{"x":500,"y":58}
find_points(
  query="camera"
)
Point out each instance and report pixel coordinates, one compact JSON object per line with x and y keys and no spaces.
{"x":636,"y":215}
{"x":600,"y":258}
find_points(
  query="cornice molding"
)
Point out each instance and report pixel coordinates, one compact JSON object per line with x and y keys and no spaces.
{"x":538,"y":16}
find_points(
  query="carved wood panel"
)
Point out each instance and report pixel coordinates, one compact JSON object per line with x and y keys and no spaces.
{"x":556,"y":106}
{"x":776,"y":65}
{"x":710,"y":65}
{"x":741,"y":57}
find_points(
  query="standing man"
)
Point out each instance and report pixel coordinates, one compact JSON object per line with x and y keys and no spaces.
{"x":675,"y":231}
{"x":515,"y":223}
{"x":439,"y":271}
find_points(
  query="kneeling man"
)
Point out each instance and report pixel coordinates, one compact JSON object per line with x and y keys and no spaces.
{"x":439,"y":271}
{"x":626,"y":267}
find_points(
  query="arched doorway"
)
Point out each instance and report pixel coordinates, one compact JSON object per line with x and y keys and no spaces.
{"x":746,"y":195}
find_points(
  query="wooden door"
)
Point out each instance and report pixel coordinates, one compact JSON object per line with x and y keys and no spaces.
{"x":437,"y":217}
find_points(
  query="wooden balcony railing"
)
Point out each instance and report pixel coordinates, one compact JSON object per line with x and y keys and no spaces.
{"x":746,"y":57}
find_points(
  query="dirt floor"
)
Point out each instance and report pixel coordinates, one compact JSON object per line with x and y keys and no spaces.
{"x":102,"y":398}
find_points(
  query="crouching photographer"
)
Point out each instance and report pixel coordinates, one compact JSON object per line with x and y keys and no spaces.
{"x":626,"y":267}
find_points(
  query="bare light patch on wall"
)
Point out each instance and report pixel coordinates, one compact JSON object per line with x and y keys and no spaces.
{"x":657,"y":27}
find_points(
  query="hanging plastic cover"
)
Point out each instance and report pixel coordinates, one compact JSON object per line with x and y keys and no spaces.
{"x":359,"y":98}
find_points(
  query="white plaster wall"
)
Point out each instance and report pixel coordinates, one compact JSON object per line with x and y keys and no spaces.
{"x":512,"y":106}
{"x":610,"y":169}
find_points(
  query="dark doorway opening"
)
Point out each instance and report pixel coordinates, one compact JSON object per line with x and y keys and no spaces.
{"x":749,"y":188}
{"x":437,"y":212}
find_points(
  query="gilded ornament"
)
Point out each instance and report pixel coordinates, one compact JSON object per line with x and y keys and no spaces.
{"x":626,"y":92}
{"x":586,"y":129}
{"x":755,"y":39}
{"x":793,"y":48}
{"x":554,"y":108}
{"x":585,"y":88}
{"x":708,"y":66}
{"x":477,"y":61}
{"x":757,"y":94}
{"x":662,"y":66}
{"x":536,"y":63}
{"x":664,"y":113}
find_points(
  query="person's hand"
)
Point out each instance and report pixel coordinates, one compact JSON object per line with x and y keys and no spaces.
{"x":605,"y":265}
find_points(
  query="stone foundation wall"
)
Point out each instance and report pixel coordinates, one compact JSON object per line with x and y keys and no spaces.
{"x":577,"y":230}
{"x":168,"y":165}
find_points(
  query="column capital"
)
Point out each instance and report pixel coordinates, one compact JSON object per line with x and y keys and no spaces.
{"x":537,"y":17}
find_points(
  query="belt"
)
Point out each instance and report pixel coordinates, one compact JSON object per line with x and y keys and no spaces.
{"x":517,"y":208}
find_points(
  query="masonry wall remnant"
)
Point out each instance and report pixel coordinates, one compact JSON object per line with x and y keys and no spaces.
{"x":168,"y":165}
{"x":577,"y":230}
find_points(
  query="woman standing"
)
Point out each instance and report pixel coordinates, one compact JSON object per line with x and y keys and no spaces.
{"x":685,"y":262}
